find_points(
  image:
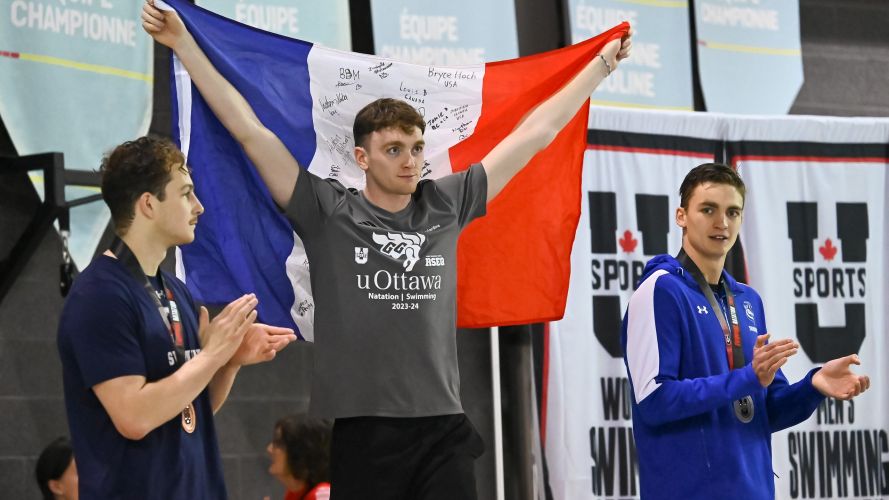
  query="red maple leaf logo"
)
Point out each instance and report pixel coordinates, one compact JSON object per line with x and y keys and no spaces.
{"x":828,"y":251}
{"x":627,"y":243}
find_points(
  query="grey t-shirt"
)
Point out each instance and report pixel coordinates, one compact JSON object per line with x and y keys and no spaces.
{"x":385,"y":289}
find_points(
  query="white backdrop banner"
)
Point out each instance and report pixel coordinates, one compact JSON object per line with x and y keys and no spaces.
{"x":813,"y":238}
{"x":630,"y":188}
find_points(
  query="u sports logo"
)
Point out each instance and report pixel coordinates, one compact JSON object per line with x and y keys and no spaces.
{"x":360,"y":255}
{"x":615,"y":273}
{"x":824,"y":277}
{"x":398,"y":245}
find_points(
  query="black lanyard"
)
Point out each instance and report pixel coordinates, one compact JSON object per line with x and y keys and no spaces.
{"x":170,"y":315}
{"x":734,"y":350}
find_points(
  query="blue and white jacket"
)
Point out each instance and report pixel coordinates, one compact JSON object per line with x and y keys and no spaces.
{"x":690,"y":444}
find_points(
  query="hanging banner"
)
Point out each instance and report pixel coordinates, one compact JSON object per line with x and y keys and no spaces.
{"x":454,"y":33}
{"x":75,"y":77}
{"x":749,"y":55}
{"x":630,"y":191}
{"x":814,"y":233}
{"x":326,"y":23}
{"x":658,"y":75}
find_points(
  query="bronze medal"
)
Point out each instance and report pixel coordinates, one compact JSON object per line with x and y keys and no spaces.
{"x":189,"y":419}
{"x":744,"y":409}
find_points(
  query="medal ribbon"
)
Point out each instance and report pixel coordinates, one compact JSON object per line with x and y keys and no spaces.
{"x":170,"y":315}
{"x":734,"y":350}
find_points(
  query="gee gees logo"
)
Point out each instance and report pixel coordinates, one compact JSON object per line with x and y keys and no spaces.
{"x":398,"y":245}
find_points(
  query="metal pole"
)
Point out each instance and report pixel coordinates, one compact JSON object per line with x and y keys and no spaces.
{"x":498,"y":417}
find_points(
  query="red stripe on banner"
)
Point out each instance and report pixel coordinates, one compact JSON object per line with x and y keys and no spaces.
{"x":13,"y":55}
{"x":544,"y":391}
{"x":654,"y":151}
{"x":513,"y":264}
{"x":818,"y":159}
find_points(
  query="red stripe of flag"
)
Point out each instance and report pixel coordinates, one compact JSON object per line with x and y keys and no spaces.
{"x":514,"y":264}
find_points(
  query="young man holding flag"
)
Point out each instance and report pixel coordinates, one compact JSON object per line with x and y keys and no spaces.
{"x":384,"y":273}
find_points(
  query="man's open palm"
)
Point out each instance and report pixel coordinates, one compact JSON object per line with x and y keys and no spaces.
{"x":836,"y":380}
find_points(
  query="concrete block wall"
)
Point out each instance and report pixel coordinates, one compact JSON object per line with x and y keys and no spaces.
{"x":31,"y":410}
{"x":845,"y":58}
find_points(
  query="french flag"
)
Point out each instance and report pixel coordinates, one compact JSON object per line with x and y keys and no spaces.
{"x":513,"y":264}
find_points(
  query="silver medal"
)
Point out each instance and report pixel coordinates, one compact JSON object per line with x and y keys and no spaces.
{"x":744,"y":409}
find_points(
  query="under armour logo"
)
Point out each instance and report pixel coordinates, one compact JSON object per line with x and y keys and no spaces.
{"x":703,"y":310}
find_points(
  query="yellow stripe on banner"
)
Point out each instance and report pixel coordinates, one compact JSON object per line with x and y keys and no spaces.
{"x":38,"y":179}
{"x":92,"y":68}
{"x":639,"y":106}
{"x":672,"y":4}
{"x":750,"y":49}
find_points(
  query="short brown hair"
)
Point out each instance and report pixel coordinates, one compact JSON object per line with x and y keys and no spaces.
{"x":133,"y":168}
{"x":716,"y":173}
{"x":385,"y":113}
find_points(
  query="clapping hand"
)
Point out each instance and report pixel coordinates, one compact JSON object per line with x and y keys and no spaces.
{"x":768,"y":358}
{"x":836,"y":380}
{"x":262,"y":343}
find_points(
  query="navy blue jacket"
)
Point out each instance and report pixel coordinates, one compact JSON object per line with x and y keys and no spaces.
{"x":110,"y":327}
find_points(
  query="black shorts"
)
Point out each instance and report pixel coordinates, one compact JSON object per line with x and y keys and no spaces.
{"x":386,"y":458}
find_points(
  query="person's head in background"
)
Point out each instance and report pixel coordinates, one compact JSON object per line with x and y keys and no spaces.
{"x":300,"y":452}
{"x":56,"y":471}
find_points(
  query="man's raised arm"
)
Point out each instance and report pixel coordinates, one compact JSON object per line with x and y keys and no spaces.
{"x":277,"y":167}
{"x":540,"y":126}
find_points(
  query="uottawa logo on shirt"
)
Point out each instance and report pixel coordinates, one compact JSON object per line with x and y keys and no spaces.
{"x":399,"y":246}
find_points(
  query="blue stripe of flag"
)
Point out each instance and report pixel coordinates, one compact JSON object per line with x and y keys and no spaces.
{"x":242,"y":241}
